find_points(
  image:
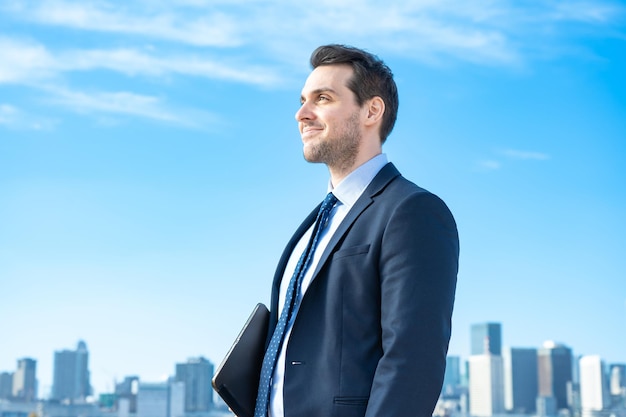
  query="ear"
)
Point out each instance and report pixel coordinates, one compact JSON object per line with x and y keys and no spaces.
{"x":375,"y":110}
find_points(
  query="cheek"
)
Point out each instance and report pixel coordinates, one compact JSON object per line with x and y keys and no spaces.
{"x":329,"y":122}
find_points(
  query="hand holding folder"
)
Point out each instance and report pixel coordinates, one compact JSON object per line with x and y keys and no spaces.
{"x":237,"y":378}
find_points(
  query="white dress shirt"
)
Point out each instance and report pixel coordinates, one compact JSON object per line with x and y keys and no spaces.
{"x":347,"y":192}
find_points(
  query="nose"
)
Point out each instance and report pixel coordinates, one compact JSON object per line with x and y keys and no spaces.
{"x":304,"y":112}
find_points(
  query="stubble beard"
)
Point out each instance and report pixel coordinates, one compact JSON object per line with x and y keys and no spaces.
{"x":338,"y":152}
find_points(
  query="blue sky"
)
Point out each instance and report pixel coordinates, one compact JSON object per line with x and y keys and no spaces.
{"x":151,"y":170}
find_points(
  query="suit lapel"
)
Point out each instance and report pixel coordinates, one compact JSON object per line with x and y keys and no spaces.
{"x":378,"y":184}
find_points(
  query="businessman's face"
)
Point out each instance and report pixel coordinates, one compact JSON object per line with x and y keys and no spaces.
{"x":329,"y":119}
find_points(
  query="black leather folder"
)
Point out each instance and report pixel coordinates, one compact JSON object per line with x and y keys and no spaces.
{"x":237,"y":378}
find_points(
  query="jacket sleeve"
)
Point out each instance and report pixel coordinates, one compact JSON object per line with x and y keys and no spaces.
{"x":418,"y":272}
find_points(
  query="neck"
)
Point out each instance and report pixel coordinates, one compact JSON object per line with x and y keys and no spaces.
{"x":337,"y":174}
{"x":369,"y":146}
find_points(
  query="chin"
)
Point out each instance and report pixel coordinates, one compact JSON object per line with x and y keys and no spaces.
{"x":311,"y":156}
{"x":308,"y":157}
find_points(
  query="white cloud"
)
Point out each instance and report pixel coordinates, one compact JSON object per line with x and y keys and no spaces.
{"x":586,"y":11}
{"x":488,"y":165}
{"x":24,"y":61}
{"x":525,"y":155}
{"x":31,"y":64}
{"x":130,"y":104}
{"x":494,"y":165}
{"x":13,"y":118}
{"x":425,"y":31}
{"x":134,"y":62}
{"x":7,"y":113}
{"x":28,"y":62}
{"x":480,"y":31}
{"x":216,"y":29}
{"x":218,"y":39}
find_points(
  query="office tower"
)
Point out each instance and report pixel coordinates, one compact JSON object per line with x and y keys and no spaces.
{"x":452,"y":376}
{"x":6,"y":385}
{"x":126,"y":392}
{"x":153,"y":400}
{"x":71,"y":375}
{"x":161,"y":399}
{"x":486,"y":338}
{"x":196,"y":374}
{"x":594,"y":395}
{"x":123,"y":408}
{"x":617,"y":379}
{"x":554,"y":364}
{"x":546,"y":406}
{"x":520,"y":380}
{"x":129,"y":386}
{"x":25,"y":380}
{"x":486,"y":389}
{"x":573,"y":394}
{"x":177,"y":399}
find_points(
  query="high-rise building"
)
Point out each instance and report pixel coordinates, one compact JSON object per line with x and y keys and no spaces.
{"x":160,"y":399}
{"x":554,"y":365}
{"x":177,"y":399}
{"x":546,"y":406}
{"x":6,"y":385}
{"x":452,"y":376}
{"x":71,"y":375}
{"x":127,"y":391}
{"x":486,"y":387}
{"x":25,"y":380}
{"x":520,"y":380}
{"x":486,"y":338}
{"x":617,"y":379}
{"x":594,"y":395}
{"x":153,"y":400}
{"x":196,"y":373}
{"x":129,"y":386}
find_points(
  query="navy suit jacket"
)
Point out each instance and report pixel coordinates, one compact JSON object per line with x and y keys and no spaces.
{"x":372,"y":332}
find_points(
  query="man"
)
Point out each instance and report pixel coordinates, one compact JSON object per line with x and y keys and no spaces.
{"x":369,"y":321}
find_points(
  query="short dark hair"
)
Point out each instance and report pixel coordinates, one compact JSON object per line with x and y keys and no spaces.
{"x":372,"y":77}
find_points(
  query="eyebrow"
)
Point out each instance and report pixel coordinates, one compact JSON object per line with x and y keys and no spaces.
{"x":319,"y":91}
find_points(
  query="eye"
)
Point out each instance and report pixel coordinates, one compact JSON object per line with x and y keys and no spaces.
{"x":323,"y":98}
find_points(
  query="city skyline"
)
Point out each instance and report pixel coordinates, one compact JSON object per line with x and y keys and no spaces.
{"x":151,"y":169}
{"x":507,"y":384}
{"x":213,"y":362}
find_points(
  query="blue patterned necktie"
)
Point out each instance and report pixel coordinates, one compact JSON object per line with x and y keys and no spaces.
{"x":269,"y":361}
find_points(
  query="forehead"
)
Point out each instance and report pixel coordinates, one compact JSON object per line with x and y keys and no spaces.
{"x":329,"y":78}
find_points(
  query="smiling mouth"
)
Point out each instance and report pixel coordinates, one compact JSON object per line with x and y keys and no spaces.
{"x":309,"y":130}
{"x":309,"y":135}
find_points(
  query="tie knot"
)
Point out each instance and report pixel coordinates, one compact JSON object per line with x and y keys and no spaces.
{"x":328,"y":202}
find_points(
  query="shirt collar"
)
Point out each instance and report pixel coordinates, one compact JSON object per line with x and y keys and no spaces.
{"x":351,"y":187}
